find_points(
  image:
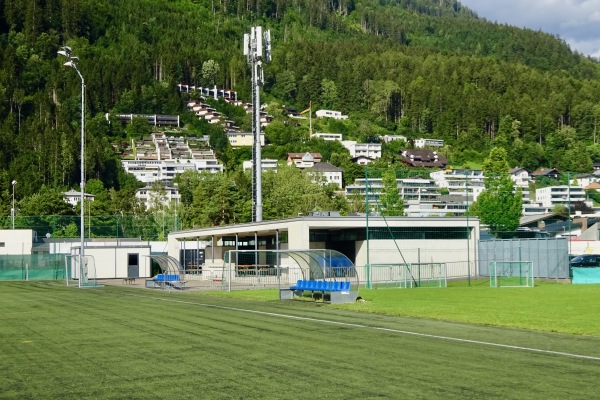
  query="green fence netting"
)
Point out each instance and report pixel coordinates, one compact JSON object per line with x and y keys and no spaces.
{"x":32,"y":267}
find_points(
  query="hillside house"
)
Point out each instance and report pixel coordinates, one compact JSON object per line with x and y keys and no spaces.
{"x":423,"y":159}
{"x":371,"y":150}
{"x":331,"y":173}
{"x":330,"y":114}
{"x":304,"y":160}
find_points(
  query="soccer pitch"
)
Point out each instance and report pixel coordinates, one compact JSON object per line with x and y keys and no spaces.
{"x":122,"y":343}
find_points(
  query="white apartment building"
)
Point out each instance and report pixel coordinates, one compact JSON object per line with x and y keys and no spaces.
{"x":244,"y":139}
{"x":413,"y":208}
{"x":420,"y":143}
{"x":584,"y":180}
{"x":330,"y":114}
{"x":73,"y":197}
{"x":154,"y":198}
{"x":460,"y":182}
{"x":410,"y":189}
{"x":371,"y":150}
{"x":535,"y":209}
{"x":520,"y":177}
{"x":330,"y":173}
{"x":266,"y":164}
{"x":559,"y":195}
{"x":148,"y":171}
{"x":391,"y":138}
{"x":330,"y":137}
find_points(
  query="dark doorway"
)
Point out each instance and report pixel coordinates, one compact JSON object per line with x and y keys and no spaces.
{"x":346,"y":247}
{"x":133,"y":265}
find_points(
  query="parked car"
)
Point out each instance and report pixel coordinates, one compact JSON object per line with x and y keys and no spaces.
{"x":584,"y":261}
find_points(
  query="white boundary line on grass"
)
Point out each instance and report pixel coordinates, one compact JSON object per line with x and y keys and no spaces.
{"x":378,"y":328}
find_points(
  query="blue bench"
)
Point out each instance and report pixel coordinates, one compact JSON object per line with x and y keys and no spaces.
{"x":166,"y":278}
{"x":321,"y":286}
{"x":164,"y":281}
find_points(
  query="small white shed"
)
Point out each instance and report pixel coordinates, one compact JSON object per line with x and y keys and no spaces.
{"x":110,"y":262}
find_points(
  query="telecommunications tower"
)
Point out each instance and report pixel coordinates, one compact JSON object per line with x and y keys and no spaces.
{"x":257,"y":48}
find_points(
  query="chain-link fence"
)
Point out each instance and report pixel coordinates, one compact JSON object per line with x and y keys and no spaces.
{"x":146,"y":227}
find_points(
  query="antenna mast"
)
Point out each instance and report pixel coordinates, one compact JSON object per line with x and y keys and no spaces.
{"x":257,"y":49}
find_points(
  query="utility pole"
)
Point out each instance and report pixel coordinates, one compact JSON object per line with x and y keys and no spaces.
{"x":256,"y":54}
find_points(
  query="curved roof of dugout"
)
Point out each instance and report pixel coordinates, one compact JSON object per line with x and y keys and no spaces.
{"x":321,"y":264}
{"x":168,"y":264}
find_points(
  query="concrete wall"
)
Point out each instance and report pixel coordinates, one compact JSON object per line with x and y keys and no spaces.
{"x":415,"y":251}
{"x":16,"y":241}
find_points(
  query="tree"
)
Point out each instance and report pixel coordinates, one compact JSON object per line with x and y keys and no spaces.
{"x":138,"y":128}
{"x":210,"y":70}
{"x":329,"y":94}
{"x":391,"y":202}
{"x":285,"y":86}
{"x":291,"y":191}
{"x":214,"y":202}
{"x":499,"y":206}
{"x":496,"y":162}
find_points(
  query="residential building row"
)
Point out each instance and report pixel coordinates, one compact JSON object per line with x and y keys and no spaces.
{"x":161,"y":158}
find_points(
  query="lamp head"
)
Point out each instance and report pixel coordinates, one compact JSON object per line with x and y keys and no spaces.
{"x":70,"y":64}
{"x":67,"y":48}
{"x":14,"y":183}
{"x":63,"y":53}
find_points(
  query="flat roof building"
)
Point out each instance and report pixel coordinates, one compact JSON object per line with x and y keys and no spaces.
{"x":421,"y":239}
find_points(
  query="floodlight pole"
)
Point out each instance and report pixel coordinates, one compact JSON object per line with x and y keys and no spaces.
{"x":467,"y":173}
{"x":12,"y":210}
{"x":256,"y":54}
{"x":72,"y":63}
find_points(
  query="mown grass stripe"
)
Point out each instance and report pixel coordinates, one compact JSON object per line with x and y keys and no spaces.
{"x":362,"y":326}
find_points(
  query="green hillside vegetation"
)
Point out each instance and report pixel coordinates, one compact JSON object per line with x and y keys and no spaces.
{"x":420,"y":68}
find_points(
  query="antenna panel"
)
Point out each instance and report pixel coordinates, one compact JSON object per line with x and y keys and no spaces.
{"x":246,"y":43}
{"x":259,"y":41}
{"x":267,"y":37}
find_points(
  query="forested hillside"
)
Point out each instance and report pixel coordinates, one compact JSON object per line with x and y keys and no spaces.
{"x":413,"y":67}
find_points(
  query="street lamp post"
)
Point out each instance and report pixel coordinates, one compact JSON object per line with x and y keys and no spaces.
{"x":65,"y":51}
{"x":12,"y":210}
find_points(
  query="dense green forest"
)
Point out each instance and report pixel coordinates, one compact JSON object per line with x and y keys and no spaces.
{"x":413,"y":67}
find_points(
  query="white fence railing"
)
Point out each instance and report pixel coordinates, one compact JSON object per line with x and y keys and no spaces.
{"x":232,"y":277}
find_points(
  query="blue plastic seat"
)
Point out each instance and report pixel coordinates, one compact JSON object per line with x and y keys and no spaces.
{"x":345,"y":286}
{"x":311,"y":285}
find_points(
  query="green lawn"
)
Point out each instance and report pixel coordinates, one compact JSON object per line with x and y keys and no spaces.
{"x":123,"y":343}
{"x":552,"y":307}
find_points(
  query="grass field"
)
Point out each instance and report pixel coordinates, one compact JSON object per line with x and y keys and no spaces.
{"x":122,"y":343}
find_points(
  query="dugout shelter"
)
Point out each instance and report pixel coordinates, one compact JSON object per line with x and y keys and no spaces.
{"x":363,"y":240}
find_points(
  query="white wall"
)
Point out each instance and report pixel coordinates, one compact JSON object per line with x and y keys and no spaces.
{"x":413,"y":251}
{"x":111,"y":262}
{"x":16,"y":241}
